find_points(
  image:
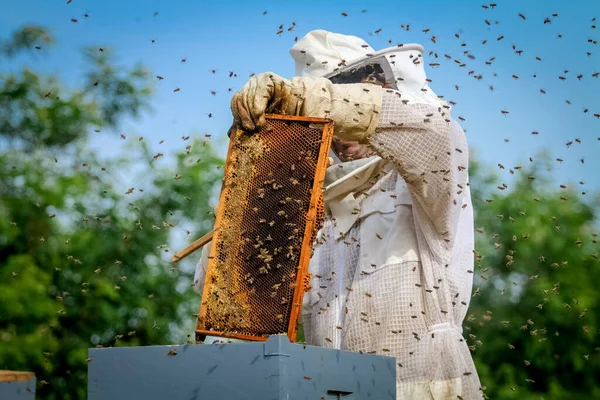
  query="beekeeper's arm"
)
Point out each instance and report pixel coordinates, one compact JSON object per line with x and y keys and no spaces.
{"x":200,"y":274}
{"x":430,"y":152}
{"x":428,"y":148}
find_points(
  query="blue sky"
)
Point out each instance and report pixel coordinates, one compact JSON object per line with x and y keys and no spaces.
{"x":236,"y":36}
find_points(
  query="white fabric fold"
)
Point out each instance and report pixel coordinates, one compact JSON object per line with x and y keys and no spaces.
{"x":339,"y":195}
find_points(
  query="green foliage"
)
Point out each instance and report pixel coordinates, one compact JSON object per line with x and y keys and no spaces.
{"x":84,"y":261}
{"x":25,"y":39}
{"x":535,"y":332}
{"x":38,"y":112}
{"x":116,"y":94}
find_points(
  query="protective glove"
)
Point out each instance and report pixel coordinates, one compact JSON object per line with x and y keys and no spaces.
{"x":262,"y":93}
{"x":353,"y":107}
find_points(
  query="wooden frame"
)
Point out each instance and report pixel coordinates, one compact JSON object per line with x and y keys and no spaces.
{"x":305,"y":254}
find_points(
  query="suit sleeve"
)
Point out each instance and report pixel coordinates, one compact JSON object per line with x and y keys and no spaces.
{"x":430,"y":152}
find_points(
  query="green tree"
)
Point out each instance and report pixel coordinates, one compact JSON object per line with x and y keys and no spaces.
{"x":532,"y":323}
{"x":85,"y":262}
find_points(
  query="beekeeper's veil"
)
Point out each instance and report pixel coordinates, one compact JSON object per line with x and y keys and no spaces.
{"x":346,"y":59}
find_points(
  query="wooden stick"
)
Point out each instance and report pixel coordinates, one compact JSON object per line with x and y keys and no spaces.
{"x":193,"y":247}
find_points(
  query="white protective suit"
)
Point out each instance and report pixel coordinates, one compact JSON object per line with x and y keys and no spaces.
{"x":392,"y":270}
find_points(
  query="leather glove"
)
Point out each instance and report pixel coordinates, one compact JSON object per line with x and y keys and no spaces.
{"x":354,"y":108}
{"x":262,"y":93}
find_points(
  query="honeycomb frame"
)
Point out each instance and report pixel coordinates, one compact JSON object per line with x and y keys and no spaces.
{"x":270,"y":209}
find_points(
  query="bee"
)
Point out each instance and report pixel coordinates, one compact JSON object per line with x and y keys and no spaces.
{"x":172,"y":352}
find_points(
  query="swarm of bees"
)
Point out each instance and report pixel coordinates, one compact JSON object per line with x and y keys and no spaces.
{"x":269,"y":248}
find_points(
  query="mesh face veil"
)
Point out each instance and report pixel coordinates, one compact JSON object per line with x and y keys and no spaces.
{"x":398,"y":68}
{"x":369,"y":73}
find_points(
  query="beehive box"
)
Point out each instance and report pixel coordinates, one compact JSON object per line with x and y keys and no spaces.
{"x":272,"y":370}
{"x":17,"y":385}
{"x":269,"y":210}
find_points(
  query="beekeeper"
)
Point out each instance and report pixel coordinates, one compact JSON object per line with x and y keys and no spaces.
{"x":392,"y":267}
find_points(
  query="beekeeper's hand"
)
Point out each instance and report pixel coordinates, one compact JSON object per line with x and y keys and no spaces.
{"x":353,"y":107}
{"x":261,"y":92}
{"x":351,"y":150}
